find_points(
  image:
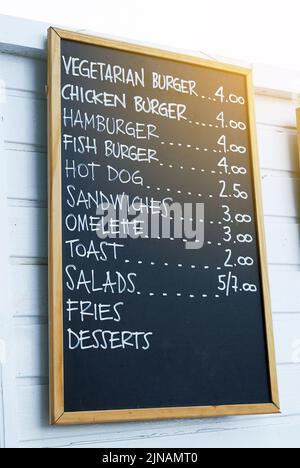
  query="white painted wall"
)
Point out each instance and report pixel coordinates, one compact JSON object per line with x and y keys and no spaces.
{"x":23,"y":265}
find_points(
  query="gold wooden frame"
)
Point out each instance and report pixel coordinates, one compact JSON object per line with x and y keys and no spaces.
{"x":57,"y":412}
{"x":298,"y":127}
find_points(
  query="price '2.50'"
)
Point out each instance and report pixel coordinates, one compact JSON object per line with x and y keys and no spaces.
{"x":236,"y":192}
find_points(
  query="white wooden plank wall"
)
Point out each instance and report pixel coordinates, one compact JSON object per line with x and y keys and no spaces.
{"x":24,"y":135}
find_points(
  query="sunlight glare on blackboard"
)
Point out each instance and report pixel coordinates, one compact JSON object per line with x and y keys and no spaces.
{"x":249,"y":30}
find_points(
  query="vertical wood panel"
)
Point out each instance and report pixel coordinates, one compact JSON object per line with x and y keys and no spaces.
{"x":8,"y":421}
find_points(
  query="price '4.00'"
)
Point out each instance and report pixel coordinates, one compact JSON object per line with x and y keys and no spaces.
{"x":229,"y":97}
{"x":236,"y":170}
{"x":234,"y":124}
{"x":230,"y":148}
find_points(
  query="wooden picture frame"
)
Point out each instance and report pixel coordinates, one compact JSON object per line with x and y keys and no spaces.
{"x":57,"y":410}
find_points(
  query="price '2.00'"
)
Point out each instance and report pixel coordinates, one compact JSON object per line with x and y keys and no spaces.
{"x":241,"y":261}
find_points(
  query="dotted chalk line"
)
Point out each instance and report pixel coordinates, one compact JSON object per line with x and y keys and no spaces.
{"x":190,"y":296}
{"x":193,"y":169}
{"x":219,"y":244}
{"x":188,"y":146}
{"x":179,"y":192}
{"x":209,"y":98}
{"x":167,"y":264}
{"x":202,"y":124}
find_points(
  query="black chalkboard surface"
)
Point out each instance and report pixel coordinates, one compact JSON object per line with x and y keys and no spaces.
{"x":158,"y":288}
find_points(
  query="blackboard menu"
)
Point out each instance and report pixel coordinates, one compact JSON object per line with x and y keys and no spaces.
{"x":160,"y":302}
